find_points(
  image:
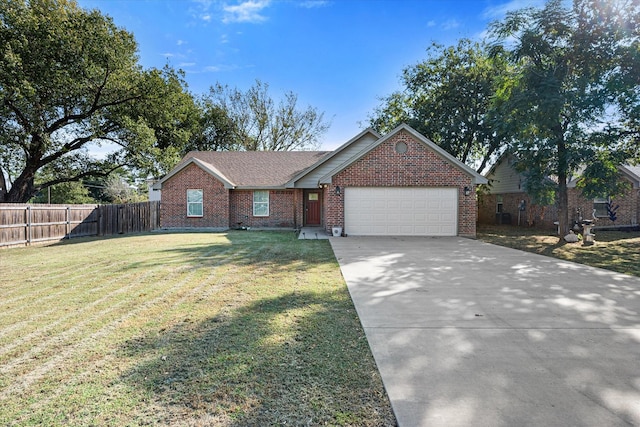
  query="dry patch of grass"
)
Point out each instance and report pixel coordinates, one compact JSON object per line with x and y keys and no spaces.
{"x":235,"y":329}
{"x":614,"y":250}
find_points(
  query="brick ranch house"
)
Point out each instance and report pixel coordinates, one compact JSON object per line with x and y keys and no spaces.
{"x":502,"y":204}
{"x":397,"y":184}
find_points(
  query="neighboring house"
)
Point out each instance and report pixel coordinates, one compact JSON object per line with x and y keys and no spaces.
{"x":397,"y":184}
{"x":154,"y":192}
{"x":503,"y":201}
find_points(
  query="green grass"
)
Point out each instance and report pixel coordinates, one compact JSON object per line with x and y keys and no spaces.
{"x":235,"y":329}
{"x":613,"y":250}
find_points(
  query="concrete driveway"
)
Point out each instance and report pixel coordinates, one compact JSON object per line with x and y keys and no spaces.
{"x":471,"y":334}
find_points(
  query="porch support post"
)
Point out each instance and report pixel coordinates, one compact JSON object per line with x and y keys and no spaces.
{"x":295,"y":208}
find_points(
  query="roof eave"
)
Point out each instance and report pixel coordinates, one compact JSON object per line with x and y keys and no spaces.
{"x":291,"y":183}
{"x":202,"y":165}
{"x":634,"y":177}
{"x":261,"y":187}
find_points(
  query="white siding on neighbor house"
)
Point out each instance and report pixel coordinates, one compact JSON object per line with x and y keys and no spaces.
{"x":312,"y":179}
{"x":504,"y":179}
{"x":154,"y":195}
{"x":634,"y":172}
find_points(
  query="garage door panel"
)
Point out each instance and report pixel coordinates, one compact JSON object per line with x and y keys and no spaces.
{"x":401,"y":211}
{"x":406,"y":204}
{"x":420,"y":217}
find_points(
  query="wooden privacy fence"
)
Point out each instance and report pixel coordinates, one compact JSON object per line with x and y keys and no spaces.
{"x":26,"y":224}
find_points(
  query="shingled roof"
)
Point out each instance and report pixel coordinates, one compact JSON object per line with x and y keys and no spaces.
{"x":257,"y":169}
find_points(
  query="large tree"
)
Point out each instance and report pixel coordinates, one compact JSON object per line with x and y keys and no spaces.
{"x":252,"y":120}
{"x":69,"y":78}
{"x":447,"y":97}
{"x":573,"y":97}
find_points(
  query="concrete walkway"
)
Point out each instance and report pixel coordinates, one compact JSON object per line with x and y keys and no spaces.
{"x":313,"y":233}
{"x":470,"y":334}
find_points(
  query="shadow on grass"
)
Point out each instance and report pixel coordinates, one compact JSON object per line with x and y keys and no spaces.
{"x":613,"y":250}
{"x":273,"y":249}
{"x":295,"y":359}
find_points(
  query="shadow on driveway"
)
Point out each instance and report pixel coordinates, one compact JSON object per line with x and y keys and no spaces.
{"x":468,"y":333}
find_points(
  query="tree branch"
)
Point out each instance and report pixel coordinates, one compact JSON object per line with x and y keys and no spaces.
{"x":24,"y":122}
{"x":80,"y":176}
{"x":74,"y":118}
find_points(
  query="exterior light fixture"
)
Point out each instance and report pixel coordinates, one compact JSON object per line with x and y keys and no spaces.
{"x":337,"y":190}
{"x":467,"y":191}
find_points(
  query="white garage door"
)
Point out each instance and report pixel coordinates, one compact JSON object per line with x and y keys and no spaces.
{"x":406,"y":211}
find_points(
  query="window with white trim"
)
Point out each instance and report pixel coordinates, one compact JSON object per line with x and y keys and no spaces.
{"x":261,"y":203}
{"x":194,"y":203}
{"x":600,"y":207}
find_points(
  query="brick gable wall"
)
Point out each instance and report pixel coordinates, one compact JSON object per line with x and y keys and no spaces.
{"x":173,"y":207}
{"x":419,"y":166}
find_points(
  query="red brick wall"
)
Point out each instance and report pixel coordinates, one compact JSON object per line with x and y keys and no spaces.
{"x":282,"y":209}
{"x":627,"y":213}
{"x":532,"y":216}
{"x":173,"y":207}
{"x":419,"y":166}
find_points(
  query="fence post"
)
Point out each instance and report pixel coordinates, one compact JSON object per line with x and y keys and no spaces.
{"x":68,"y":213}
{"x":99,"y":220}
{"x":120,"y":219}
{"x":28,"y":221}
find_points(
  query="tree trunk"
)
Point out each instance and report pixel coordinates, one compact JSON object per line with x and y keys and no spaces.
{"x":23,"y":188}
{"x":563,"y":205}
{"x":563,"y":199}
{"x":3,"y":186}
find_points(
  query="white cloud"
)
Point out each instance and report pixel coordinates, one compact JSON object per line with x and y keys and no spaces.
{"x":450,"y":24}
{"x":248,"y":11}
{"x":186,"y":64}
{"x":203,"y":3}
{"x":500,"y":10}
{"x":310,"y":4}
{"x":431,"y":23}
{"x":180,"y":42}
{"x":206,"y":17}
{"x":224,"y":68}
{"x":168,"y":54}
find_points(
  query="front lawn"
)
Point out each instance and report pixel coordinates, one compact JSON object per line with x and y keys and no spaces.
{"x":614,"y":250}
{"x":233,"y":329}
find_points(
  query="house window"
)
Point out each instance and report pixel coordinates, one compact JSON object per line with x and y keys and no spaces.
{"x":194,"y":202}
{"x":498,"y":204}
{"x":600,"y":207}
{"x":261,"y":203}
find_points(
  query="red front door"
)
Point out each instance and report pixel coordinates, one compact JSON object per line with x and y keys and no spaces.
{"x":312,"y":207}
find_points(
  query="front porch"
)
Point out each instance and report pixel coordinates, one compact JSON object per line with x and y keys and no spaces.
{"x":313,"y":233}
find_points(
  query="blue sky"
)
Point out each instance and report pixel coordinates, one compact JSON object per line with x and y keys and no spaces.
{"x":339,"y":56}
